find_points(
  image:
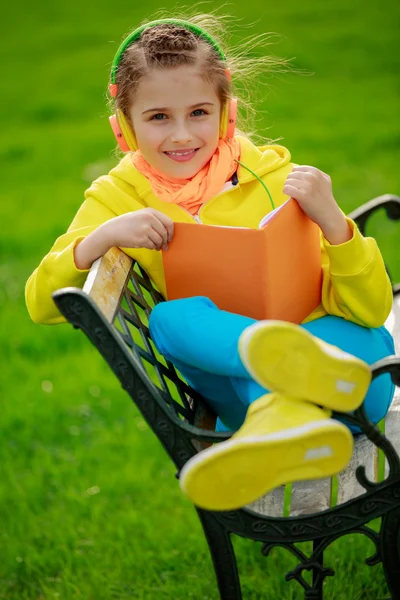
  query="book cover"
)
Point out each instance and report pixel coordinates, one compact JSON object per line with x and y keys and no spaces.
{"x":269,"y":273}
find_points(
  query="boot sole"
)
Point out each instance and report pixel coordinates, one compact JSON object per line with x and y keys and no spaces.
{"x":232,"y":474}
{"x":285,"y":358}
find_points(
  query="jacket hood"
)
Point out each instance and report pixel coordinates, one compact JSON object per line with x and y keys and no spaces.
{"x":260,"y":159}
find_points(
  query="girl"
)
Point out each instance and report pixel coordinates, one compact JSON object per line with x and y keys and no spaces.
{"x":275,"y":382}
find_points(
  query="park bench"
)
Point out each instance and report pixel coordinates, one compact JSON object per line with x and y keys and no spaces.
{"x":113,"y":310}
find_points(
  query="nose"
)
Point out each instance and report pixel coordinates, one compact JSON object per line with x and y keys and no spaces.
{"x":181,"y":133}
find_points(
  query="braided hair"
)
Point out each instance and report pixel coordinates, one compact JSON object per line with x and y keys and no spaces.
{"x":167,"y":46}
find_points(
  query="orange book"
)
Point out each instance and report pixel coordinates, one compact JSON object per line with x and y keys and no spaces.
{"x":273,"y":272}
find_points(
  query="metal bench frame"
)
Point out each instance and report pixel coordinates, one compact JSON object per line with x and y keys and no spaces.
{"x":185,"y":426}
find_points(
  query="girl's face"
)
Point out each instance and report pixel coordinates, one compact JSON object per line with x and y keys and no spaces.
{"x":175,"y":117}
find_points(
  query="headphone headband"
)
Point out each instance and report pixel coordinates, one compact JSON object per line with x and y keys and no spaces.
{"x":135,"y":35}
{"x":122,"y":129}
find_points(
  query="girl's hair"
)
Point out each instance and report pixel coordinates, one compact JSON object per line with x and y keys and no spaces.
{"x":167,"y":46}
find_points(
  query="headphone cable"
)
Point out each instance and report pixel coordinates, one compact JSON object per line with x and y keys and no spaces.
{"x":260,"y":180}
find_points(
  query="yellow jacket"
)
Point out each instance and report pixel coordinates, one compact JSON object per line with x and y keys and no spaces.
{"x":355,"y":283}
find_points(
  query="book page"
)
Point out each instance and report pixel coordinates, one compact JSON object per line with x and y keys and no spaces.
{"x":271,"y":215}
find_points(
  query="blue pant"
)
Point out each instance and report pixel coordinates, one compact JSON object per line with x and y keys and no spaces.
{"x":202,"y":342}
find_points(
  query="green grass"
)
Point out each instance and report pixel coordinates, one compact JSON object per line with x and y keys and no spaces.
{"x":89,"y":506}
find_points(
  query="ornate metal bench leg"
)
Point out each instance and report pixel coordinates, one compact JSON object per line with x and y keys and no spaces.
{"x":390,"y":551}
{"x":317,"y":579}
{"x":223,"y":556}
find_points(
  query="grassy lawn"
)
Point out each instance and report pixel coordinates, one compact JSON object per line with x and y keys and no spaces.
{"x":89,"y":505}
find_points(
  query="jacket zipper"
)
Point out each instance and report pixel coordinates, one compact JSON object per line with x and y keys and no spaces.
{"x":197,"y":217}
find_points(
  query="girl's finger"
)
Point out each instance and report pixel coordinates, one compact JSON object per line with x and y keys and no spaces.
{"x":299,"y":175}
{"x":305,"y":168}
{"x":293,"y":192}
{"x":296,"y":183}
{"x":148,"y":244}
{"x":159,"y":227}
{"x":156,"y":239}
{"x":168,"y":224}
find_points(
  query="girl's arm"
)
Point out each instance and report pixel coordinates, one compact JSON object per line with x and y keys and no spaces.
{"x":58,"y":268}
{"x":94,"y":230}
{"x":144,"y":228}
{"x":355,"y":284}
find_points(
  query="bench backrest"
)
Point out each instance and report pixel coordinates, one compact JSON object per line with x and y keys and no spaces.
{"x":125,"y":296}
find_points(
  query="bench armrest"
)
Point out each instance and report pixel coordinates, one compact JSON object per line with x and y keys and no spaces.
{"x":106,"y":280}
{"x":391,"y":204}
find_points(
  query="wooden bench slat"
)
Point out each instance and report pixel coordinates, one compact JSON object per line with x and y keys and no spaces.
{"x":106,"y":279}
{"x":364,"y":453}
{"x":392,"y":426}
{"x":310,"y":496}
{"x":270,"y":504}
{"x":393,"y":322}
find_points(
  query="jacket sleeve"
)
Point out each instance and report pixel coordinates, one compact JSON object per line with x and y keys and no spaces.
{"x":107,"y":198}
{"x":58,"y":269}
{"x":355,"y":283}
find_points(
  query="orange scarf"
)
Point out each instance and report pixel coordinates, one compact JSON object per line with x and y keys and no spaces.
{"x":192,"y":193}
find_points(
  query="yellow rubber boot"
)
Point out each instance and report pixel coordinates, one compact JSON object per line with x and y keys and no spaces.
{"x":286,"y":358}
{"x":282,"y":440}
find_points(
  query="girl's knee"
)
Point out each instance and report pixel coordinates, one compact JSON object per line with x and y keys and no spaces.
{"x":176,"y":311}
{"x":158,"y":314}
{"x":377,"y":401}
{"x":368,"y":344}
{"x":159,"y":319}
{"x":169,"y":319}
{"x":379,"y":398}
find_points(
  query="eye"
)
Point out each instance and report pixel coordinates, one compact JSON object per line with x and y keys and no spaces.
{"x":199,"y":112}
{"x":158,"y":117}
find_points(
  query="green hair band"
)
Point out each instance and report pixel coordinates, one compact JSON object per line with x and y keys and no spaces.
{"x":135,"y":35}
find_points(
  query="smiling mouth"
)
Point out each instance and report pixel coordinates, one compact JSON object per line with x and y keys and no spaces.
{"x":181,"y":152}
{"x":182,"y":156}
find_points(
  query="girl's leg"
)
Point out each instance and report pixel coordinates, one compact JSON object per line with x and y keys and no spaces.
{"x":370,"y":345}
{"x":284,"y":438}
{"x":220,"y":394}
{"x":202,"y":342}
{"x":195,"y":333}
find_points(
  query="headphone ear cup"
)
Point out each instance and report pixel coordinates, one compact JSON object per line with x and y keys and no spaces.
{"x":119,"y":136}
{"x":231,"y":120}
{"x":223,"y":123}
{"x":228,"y":120}
{"x":123,"y":132}
{"x":126,"y":130}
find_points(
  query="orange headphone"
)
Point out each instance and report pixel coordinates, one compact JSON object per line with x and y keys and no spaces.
{"x":123,"y":132}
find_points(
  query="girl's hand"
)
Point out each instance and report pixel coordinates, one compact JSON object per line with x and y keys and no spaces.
{"x":145,"y":228}
{"x":313,"y":191}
